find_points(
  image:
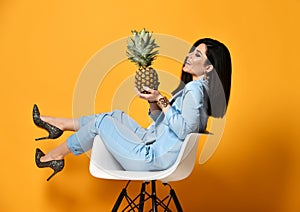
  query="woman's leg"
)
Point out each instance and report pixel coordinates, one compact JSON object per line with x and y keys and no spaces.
{"x":65,"y":124}
{"x":119,"y":124}
{"x":122,"y":138}
{"x":57,"y":153}
{"x":69,"y":124}
{"x":79,"y":142}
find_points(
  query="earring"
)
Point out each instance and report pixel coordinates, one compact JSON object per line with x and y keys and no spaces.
{"x":206,"y":77}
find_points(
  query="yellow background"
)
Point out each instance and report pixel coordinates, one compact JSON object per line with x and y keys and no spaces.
{"x":44,"y":45}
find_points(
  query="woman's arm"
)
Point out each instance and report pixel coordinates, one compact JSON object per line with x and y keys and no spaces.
{"x":187,"y":120}
{"x":154,"y":110}
{"x":152,"y":96}
{"x":153,"y":106}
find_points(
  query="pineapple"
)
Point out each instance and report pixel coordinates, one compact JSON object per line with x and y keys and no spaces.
{"x":141,"y":50}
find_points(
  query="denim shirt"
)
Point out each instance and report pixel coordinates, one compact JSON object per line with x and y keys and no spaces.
{"x":186,"y":115}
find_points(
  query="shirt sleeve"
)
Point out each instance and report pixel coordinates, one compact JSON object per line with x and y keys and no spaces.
{"x":187,"y":120}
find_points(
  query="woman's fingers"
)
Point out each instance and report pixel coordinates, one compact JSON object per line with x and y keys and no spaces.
{"x":150,"y":96}
{"x":146,"y":88}
{"x":144,"y":96}
{"x":141,"y":95}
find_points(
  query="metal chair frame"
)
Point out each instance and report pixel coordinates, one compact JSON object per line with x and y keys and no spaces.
{"x":144,"y":196}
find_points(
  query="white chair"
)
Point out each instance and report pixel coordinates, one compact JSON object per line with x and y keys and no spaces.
{"x":103,"y":165}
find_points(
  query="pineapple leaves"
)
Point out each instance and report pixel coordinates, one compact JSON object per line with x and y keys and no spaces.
{"x":141,"y":48}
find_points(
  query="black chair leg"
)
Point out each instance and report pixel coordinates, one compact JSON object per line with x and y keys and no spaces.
{"x":176,"y":201}
{"x":142,"y":197}
{"x":119,"y":200}
{"x":153,"y":196}
{"x":121,"y":197}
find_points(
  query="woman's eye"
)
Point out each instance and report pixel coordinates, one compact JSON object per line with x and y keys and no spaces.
{"x":198,"y":55}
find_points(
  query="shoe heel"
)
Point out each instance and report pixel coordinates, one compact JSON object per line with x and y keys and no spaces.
{"x":52,"y":175}
{"x":42,"y":138}
{"x":56,"y":165}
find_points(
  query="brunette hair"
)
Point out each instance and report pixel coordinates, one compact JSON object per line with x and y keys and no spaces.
{"x":219,"y":78}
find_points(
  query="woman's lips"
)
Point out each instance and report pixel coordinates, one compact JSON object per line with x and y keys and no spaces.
{"x":188,"y":63}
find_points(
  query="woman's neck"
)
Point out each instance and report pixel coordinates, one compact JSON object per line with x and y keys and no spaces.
{"x":197,"y":77}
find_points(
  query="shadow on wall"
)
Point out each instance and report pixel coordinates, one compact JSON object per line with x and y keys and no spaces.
{"x":255,"y":182}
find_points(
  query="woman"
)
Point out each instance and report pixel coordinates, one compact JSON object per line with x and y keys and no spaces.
{"x":206,"y":77}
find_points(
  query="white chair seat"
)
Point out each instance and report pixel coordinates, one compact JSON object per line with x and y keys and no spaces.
{"x":103,"y":164}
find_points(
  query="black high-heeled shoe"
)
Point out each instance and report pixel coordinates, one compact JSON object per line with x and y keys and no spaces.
{"x":53,"y":131}
{"x":56,"y":165}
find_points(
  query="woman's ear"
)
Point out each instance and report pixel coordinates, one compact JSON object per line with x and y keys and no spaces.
{"x":209,"y":68}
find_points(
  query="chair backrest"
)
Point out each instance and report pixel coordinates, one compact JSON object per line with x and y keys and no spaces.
{"x":104,"y":165}
{"x":185,"y":162}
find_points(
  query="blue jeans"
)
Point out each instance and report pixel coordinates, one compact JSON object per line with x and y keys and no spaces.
{"x":120,"y":133}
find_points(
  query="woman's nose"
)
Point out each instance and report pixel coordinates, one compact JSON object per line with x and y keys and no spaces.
{"x":189,"y":56}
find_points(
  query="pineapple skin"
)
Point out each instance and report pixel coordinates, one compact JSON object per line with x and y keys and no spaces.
{"x":142,"y":50}
{"x":146,"y":77}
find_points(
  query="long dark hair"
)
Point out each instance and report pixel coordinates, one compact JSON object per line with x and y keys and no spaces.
{"x":219,"y":78}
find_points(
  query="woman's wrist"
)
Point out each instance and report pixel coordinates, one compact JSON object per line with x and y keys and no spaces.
{"x":152,"y":102}
{"x":155,"y":101}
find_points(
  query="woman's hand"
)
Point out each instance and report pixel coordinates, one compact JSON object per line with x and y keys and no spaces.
{"x":152,"y":96}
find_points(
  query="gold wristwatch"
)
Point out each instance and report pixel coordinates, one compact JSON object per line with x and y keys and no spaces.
{"x":163,"y":102}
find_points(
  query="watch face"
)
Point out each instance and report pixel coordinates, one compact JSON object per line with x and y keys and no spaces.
{"x":163,"y":101}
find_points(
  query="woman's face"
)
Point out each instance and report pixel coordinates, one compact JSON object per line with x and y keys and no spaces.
{"x":196,"y":63}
